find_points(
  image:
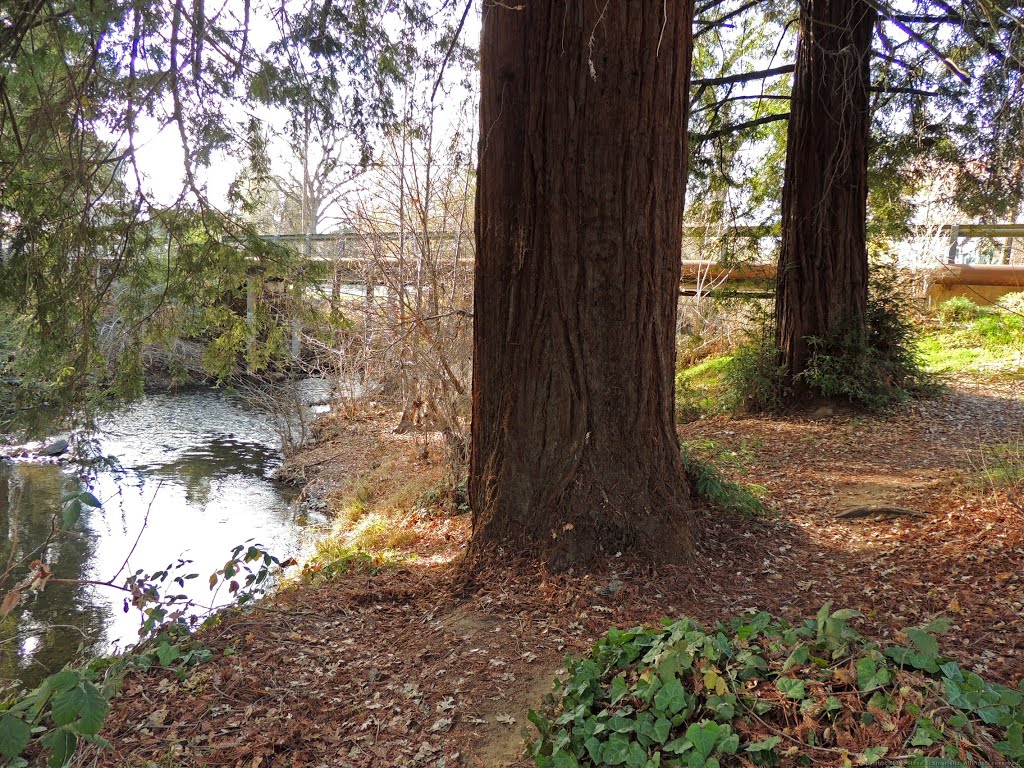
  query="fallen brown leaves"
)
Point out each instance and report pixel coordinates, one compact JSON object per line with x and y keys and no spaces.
{"x":418,"y":667}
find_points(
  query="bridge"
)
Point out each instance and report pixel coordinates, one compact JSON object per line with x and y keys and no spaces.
{"x":365,"y":259}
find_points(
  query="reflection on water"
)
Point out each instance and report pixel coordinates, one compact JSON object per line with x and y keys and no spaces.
{"x":43,"y":636}
{"x":191,"y":474}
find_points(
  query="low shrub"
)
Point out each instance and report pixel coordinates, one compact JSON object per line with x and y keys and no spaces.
{"x":876,"y":365}
{"x":846,"y":367}
{"x":959,"y":309}
{"x":755,"y":379}
{"x":1013,"y":302}
{"x":759,"y":691}
{"x":871,"y":365}
{"x":446,"y":498}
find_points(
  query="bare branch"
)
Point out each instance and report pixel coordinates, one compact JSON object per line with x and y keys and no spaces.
{"x":730,"y":129}
{"x":744,"y":77}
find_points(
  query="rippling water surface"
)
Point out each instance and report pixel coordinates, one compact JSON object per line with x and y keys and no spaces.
{"x":190,"y":479}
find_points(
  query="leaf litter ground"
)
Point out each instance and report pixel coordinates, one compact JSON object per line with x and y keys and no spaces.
{"x":415,"y":666}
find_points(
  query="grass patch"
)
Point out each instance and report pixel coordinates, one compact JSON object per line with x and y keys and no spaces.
{"x":365,"y":538}
{"x":378,"y":518}
{"x":381,"y":531}
{"x":701,"y":389}
{"x":978,"y":339}
{"x":335,"y":558}
{"x":713,"y":487}
{"x":998,"y":467}
{"x":722,"y":455}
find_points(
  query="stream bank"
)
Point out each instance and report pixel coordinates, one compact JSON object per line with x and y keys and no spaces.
{"x":183,"y":477}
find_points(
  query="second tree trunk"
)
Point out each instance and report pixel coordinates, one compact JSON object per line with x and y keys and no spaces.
{"x":822,"y":286}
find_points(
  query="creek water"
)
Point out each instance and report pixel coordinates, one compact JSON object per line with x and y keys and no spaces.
{"x":189,"y":478}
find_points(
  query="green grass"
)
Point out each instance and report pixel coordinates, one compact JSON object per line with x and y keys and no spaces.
{"x":722,"y":455}
{"x":335,"y":558}
{"x":702,"y":389}
{"x":983,"y":339}
{"x":998,"y":467}
{"x":701,"y":461}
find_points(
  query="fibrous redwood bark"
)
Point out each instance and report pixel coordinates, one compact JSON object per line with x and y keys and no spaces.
{"x":822,"y":284}
{"x":582,"y":171}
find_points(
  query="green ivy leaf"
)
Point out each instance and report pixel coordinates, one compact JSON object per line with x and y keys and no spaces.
{"x":724,"y":707}
{"x":563,"y":759}
{"x":1013,"y":747}
{"x":800,"y":655}
{"x":679,"y":746}
{"x":845,"y":614}
{"x":704,"y":736}
{"x":925,"y":643}
{"x":869,"y":676}
{"x":821,"y":618}
{"x":671,"y":698}
{"x":637,"y":757}
{"x":794,"y":689}
{"x":958,"y":721}
{"x":619,"y":688}
{"x":615,"y":750}
{"x":729,"y":743}
{"x":952,"y":670}
{"x":833,"y":704}
{"x":620,"y":724}
{"x":764,"y":746}
{"x":15,"y":734}
{"x":539,"y":722}
{"x":905,"y":657}
{"x":167,"y":653}
{"x":880,"y":700}
{"x":871,"y":755}
{"x":925,"y":734}
{"x":955,"y":696}
{"x":661,"y":729}
{"x":937,"y":626}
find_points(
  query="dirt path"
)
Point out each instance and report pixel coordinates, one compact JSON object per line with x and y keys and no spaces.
{"x":412,"y":667}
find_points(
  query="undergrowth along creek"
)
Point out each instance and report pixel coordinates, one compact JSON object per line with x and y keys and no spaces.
{"x":375,"y":530}
{"x":759,"y":691}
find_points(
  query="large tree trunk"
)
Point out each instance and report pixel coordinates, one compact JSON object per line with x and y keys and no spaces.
{"x":822,"y":285}
{"x":582,"y":172}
